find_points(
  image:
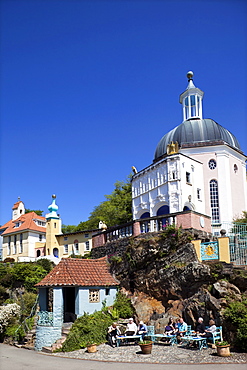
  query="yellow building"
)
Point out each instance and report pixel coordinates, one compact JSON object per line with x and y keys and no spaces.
{"x":24,"y":236}
{"x":28,"y":236}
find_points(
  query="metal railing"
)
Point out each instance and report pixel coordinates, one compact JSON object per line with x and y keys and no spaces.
{"x":237,"y":234}
{"x":24,"y":323}
{"x":45,"y":318}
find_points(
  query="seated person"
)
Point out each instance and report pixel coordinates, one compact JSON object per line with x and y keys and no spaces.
{"x":113,"y":331}
{"x":131,"y":328}
{"x":200,"y":327}
{"x":212,"y":329}
{"x":170,"y":328}
{"x":142,"y":329}
{"x":182,"y":327}
{"x":176,"y":323}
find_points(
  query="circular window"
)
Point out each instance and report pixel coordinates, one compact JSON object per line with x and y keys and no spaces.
{"x":212,"y":164}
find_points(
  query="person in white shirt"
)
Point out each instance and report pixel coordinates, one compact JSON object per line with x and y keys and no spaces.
{"x":212,"y":329}
{"x":131,"y":328}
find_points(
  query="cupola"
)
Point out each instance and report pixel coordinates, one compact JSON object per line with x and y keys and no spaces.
{"x":53,"y":208}
{"x":191,"y":99}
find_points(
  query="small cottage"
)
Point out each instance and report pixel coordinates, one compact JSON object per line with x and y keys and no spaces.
{"x":73,"y":287}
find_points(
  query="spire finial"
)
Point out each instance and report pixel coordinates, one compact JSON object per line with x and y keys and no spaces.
{"x":190,"y":75}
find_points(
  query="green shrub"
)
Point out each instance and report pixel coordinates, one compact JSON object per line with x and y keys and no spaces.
{"x":123,"y":306}
{"x":114,"y":313}
{"x":236,"y":314}
{"x":46,"y":264}
{"x":3,"y":294}
{"x":116,"y":259}
{"x":176,"y":236}
{"x":3,"y":269}
{"x":16,"y":331}
{"x":87,"y":328}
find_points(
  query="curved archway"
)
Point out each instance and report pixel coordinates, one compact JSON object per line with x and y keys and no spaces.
{"x":163,"y":210}
{"x":145,"y":215}
{"x":38,"y":253}
{"x":186,"y":208}
{"x":55,"y":252}
{"x":145,"y":224}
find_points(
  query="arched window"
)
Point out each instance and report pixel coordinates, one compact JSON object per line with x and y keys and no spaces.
{"x":214,"y":200}
{"x":55,"y":252}
{"x":186,"y":208}
{"x":162,"y":223}
{"x":164,"y":210}
{"x":145,"y":224}
{"x":145,"y":215}
{"x":38,"y":253}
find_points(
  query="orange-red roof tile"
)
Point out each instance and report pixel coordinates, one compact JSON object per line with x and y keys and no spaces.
{"x":15,"y":206}
{"x":27,"y":223}
{"x":80,"y":272}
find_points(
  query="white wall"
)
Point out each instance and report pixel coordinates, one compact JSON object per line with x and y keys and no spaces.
{"x":231,"y":183}
{"x":164,"y":183}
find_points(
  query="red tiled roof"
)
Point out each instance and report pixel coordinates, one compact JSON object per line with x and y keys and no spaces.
{"x":27,"y":223}
{"x":15,"y":206}
{"x":80,"y":272}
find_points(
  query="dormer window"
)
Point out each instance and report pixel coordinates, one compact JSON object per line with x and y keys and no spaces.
{"x":18,"y":224}
{"x":40,"y":223}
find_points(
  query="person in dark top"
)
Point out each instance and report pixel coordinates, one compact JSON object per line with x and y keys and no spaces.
{"x":142,"y":329}
{"x":170,"y":328}
{"x":200,"y":327}
{"x":113,"y":331}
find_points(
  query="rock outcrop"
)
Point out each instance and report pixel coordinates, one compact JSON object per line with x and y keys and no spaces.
{"x":163,"y":277}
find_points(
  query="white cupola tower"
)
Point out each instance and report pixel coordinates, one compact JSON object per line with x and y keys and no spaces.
{"x":191,"y":99}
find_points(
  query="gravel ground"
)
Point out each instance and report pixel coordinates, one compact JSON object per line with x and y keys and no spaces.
{"x":161,"y":353}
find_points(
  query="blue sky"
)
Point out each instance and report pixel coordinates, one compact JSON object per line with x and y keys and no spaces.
{"x":88,"y":88}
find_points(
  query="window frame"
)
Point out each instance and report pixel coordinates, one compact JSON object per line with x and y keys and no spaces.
{"x":94,"y":295}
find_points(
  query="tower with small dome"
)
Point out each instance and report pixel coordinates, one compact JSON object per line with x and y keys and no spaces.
{"x":53,"y":228}
{"x":198,"y":166}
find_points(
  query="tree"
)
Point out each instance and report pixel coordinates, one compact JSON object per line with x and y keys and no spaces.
{"x":241,"y":220}
{"x":66,"y":229}
{"x":115,"y":210}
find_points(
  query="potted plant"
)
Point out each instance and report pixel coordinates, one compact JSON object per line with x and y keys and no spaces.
{"x":146,"y":346}
{"x":91,"y":347}
{"x":223,"y":348}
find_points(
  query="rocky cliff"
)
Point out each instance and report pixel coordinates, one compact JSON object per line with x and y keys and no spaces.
{"x":163,"y":277}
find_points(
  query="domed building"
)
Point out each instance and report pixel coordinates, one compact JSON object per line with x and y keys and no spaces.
{"x":197,"y":166}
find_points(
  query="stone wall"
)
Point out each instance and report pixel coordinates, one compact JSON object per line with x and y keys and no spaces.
{"x":117,"y":247}
{"x":46,"y":336}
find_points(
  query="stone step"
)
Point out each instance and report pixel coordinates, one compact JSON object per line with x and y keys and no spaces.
{"x":29,"y":336}
{"x":56,"y":346}
{"x":26,"y":346}
{"x":65,"y":331}
{"x":61,"y":340}
{"x":47,"y":349}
